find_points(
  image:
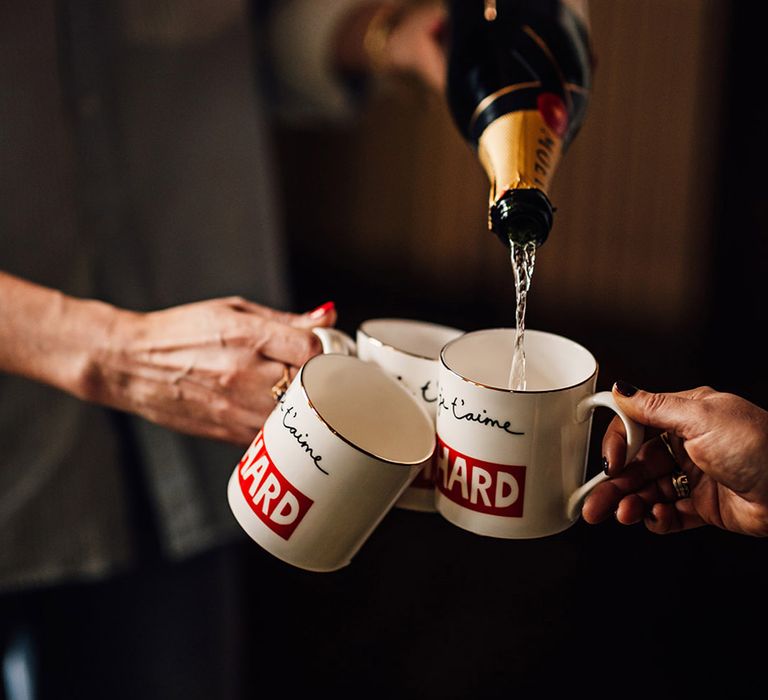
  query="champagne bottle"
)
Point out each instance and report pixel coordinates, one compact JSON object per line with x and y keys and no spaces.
{"x":519,"y":74}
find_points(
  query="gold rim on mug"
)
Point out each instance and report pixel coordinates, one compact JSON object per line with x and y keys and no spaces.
{"x":381,"y":344}
{"x":508,"y":389}
{"x":341,"y":437}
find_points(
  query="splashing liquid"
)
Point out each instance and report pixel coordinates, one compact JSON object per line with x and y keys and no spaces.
{"x":523,"y":257}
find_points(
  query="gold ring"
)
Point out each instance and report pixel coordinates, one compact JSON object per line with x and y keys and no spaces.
{"x":681,"y":485}
{"x":280,"y":387}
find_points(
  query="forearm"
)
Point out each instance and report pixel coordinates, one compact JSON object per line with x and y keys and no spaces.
{"x":203,"y":368}
{"x":50,"y":337}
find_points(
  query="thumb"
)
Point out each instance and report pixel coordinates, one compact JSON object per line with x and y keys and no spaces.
{"x":679,"y":413}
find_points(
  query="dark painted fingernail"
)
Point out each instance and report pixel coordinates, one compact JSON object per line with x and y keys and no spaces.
{"x":651,"y":516}
{"x":605,"y":465}
{"x":625,"y":388}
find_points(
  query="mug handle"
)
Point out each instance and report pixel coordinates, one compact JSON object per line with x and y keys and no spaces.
{"x":335,"y":341}
{"x":635,"y":437}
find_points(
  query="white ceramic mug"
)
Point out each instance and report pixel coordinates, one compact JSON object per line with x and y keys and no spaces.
{"x":409,"y":351}
{"x":332,"y":458}
{"x":512,"y":464}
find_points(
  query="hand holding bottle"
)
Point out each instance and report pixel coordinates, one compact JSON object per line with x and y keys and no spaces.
{"x":518,"y":86}
{"x":397,"y":38}
{"x":411,"y":42}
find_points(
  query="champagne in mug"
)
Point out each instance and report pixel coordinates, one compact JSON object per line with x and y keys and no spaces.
{"x":510,"y":463}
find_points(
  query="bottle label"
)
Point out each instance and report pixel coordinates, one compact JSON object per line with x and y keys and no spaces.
{"x":520,"y":150}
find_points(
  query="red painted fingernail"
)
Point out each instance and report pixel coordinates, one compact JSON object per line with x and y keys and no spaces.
{"x":322,"y":309}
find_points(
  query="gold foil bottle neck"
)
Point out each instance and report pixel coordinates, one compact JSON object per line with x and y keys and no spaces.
{"x":519,"y":151}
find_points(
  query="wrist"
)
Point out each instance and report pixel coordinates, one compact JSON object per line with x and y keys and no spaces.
{"x":51,"y":337}
{"x":101,"y":332}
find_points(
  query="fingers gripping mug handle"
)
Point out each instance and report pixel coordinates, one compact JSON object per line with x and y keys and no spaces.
{"x":635,"y":435}
{"x":335,"y":341}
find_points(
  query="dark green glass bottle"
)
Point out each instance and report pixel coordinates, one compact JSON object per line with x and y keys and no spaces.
{"x":519,"y":75}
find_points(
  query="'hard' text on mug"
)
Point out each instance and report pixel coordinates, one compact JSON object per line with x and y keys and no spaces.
{"x":325,"y":469}
{"x":484,"y":487}
{"x":277,"y":502}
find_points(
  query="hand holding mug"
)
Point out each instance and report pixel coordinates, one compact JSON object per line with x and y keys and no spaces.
{"x":203,"y":368}
{"x":713,"y":445}
{"x":335,"y":454}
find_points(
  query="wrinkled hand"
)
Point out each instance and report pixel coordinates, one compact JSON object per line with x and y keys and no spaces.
{"x":720,"y":442}
{"x":205,"y":368}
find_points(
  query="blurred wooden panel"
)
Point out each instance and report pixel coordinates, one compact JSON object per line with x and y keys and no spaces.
{"x":400,"y":195}
{"x":633,"y":231}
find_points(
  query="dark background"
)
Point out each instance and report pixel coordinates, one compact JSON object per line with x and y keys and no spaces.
{"x":656,"y":263}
